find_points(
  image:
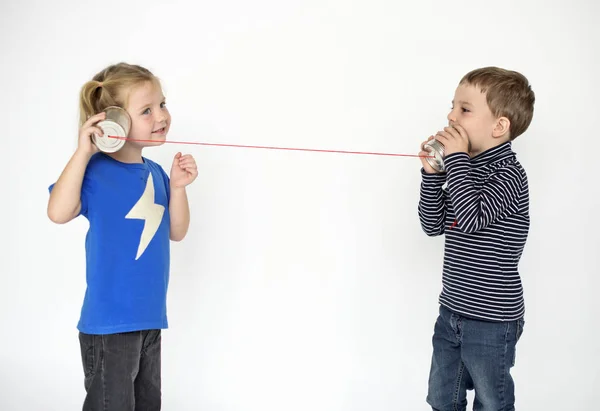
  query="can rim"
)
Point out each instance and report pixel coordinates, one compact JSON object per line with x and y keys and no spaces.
{"x":124,"y":114}
{"x":436,"y":148}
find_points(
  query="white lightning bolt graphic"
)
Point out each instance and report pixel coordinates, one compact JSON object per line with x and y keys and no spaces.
{"x":145,"y":209}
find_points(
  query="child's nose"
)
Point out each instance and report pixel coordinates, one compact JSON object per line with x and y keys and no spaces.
{"x":451,"y":117}
{"x":160,"y":117}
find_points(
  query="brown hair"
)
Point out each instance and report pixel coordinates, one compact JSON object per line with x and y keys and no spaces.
{"x":508,"y":94}
{"x":111,"y":87}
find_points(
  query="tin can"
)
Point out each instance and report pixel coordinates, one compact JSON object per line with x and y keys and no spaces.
{"x":436,"y":149}
{"x":117,"y":124}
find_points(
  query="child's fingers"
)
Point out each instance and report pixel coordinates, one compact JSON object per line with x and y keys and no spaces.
{"x":461,"y":131}
{"x":426,"y":141}
{"x":187,"y":163}
{"x":453,"y":132}
{"x":442,"y":136}
{"x":186,"y":157}
{"x":94,"y":119}
{"x":424,"y":153}
{"x":95,"y":130}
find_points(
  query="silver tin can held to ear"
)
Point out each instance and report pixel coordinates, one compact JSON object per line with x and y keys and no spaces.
{"x":117,"y":123}
{"x":436,"y":150}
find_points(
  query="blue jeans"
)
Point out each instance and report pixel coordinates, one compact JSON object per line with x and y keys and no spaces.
{"x":472,"y":354}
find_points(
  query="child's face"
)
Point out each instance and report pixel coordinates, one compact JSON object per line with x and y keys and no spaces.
{"x":150,"y":118}
{"x":471,"y":111}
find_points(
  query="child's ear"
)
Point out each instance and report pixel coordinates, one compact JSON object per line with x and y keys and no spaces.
{"x":502,"y":127}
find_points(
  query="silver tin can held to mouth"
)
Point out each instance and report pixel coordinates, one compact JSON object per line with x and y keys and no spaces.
{"x":117,"y":123}
{"x":436,"y":150}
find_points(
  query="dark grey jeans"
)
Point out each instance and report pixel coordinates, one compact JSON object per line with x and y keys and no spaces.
{"x":122,"y":371}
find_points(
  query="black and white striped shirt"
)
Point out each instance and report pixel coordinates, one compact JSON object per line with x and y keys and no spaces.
{"x":484,"y":214}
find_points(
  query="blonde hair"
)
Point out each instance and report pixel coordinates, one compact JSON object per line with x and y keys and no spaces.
{"x":508,"y":94}
{"x":111,"y":87}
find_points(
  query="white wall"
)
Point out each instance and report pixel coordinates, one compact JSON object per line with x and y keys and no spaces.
{"x":305,"y":282}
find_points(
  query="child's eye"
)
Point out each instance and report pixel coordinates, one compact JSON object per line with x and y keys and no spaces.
{"x":163,"y":104}
{"x":465,"y":110}
{"x":147,"y":111}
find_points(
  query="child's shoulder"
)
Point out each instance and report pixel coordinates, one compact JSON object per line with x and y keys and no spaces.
{"x":154,"y":166}
{"x":98,"y":161}
{"x":151,"y":164}
{"x":509,"y":168}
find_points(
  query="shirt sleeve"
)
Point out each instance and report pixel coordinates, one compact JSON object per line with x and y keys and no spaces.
{"x":167,"y":182}
{"x":432,"y":203}
{"x":477,"y":208}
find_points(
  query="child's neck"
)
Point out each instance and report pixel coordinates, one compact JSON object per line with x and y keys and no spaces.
{"x":128,"y":154}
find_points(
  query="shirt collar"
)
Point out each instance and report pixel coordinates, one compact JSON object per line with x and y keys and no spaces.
{"x":492,"y":155}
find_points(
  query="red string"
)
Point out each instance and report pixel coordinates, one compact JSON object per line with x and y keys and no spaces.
{"x":271,"y":147}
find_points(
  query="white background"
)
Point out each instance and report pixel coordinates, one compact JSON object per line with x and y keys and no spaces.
{"x":305,"y":282}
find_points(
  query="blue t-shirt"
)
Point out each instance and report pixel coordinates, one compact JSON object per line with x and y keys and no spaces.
{"x":127,"y":246}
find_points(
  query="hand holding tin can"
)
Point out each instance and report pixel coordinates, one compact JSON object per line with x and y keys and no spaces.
{"x":86,"y":133}
{"x":436,"y":151}
{"x":432,"y":156}
{"x":454,"y":139}
{"x":116,"y":123}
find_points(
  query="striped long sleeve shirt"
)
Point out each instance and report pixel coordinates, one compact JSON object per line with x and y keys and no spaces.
{"x":481,"y":205}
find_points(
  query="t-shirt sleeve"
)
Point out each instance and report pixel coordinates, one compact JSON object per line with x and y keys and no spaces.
{"x":167,"y":183}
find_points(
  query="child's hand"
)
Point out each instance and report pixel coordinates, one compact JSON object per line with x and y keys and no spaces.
{"x":424,"y":153}
{"x":183,"y":171}
{"x":85,"y":143}
{"x":454,"y":139}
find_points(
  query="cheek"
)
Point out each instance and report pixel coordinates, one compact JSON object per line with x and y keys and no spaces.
{"x":473,"y":123}
{"x":141,"y":124}
{"x":466,"y":123}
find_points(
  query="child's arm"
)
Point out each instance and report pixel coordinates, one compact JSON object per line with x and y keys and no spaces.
{"x":432,"y":203}
{"x":183,"y":172}
{"x":180,"y":213}
{"x":476,"y":209}
{"x":65,"y":197}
